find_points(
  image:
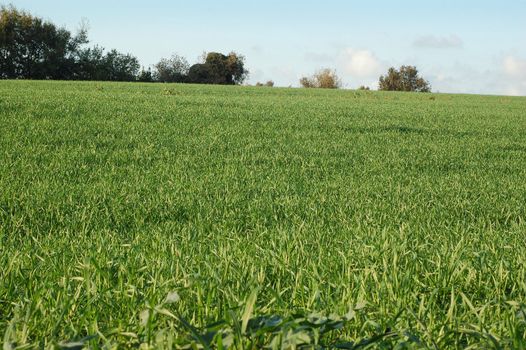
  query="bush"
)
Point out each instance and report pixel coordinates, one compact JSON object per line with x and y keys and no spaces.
{"x":145,"y":76}
{"x":202,"y":73}
{"x":324,"y":79}
{"x":307,"y":82}
{"x":269,"y":83}
{"x":404,"y":79}
{"x":172,"y":70}
{"x":219,"y":69}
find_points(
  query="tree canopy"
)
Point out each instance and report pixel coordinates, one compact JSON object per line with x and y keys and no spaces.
{"x":404,"y":79}
{"x":171,"y":70}
{"x":219,"y":69}
{"x":33,"y":48}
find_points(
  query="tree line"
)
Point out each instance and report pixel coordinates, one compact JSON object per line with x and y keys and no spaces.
{"x":33,"y":48}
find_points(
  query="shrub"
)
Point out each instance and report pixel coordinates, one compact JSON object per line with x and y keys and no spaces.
{"x":171,"y":70}
{"x":307,"y":82}
{"x":219,"y":69}
{"x":145,"y":76}
{"x":324,"y":79}
{"x":269,"y":83}
{"x":404,"y":79}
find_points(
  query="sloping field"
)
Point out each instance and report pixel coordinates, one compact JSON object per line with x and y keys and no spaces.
{"x":171,"y":215}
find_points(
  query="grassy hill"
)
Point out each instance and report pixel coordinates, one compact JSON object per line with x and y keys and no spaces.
{"x":176,"y":214}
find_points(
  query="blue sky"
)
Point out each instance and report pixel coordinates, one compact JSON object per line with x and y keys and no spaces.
{"x":459,"y":45}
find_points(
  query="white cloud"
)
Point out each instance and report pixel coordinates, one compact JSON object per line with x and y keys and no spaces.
{"x":436,"y":42}
{"x":514,"y":67}
{"x":360,"y":63}
{"x":355,"y":66}
{"x":506,"y":77}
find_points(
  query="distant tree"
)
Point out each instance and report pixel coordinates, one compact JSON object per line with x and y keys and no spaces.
{"x":70,"y":65}
{"x":325,"y":79}
{"x":90,"y":64}
{"x":94,"y":64}
{"x":235,"y":65}
{"x":145,"y":75}
{"x":219,"y":69}
{"x":308,"y":82}
{"x":171,"y":70}
{"x":328,"y":79}
{"x":31,"y":48}
{"x":404,"y":79}
{"x":201,"y":73}
{"x":120,"y":67}
{"x":213,"y":71}
{"x":363,"y":87}
{"x":269,"y":83}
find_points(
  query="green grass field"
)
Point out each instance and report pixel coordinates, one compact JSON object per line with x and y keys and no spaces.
{"x":166,"y":216}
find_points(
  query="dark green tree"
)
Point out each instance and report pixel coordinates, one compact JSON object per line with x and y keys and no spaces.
{"x":201,"y":73}
{"x":90,"y":64}
{"x":33,"y":48}
{"x":120,"y":67}
{"x":94,"y":64}
{"x":171,"y":70}
{"x":404,"y":79}
{"x":145,"y":75}
{"x":219,"y":69}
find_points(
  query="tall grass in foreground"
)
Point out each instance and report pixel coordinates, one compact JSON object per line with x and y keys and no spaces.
{"x":169,"y":216}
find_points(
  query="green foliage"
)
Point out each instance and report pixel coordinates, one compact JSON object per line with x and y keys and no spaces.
{"x":404,"y":79}
{"x":120,"y":67}
{"x":94,"y":64}
{"x":183,"y":216}
{"x":31,"y":48}
{"x":219,"y":69}
{"x":323,"y":79}
{"x":202,"y":73}
{"x":173,"y":70}
{"x":145,"y":76}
